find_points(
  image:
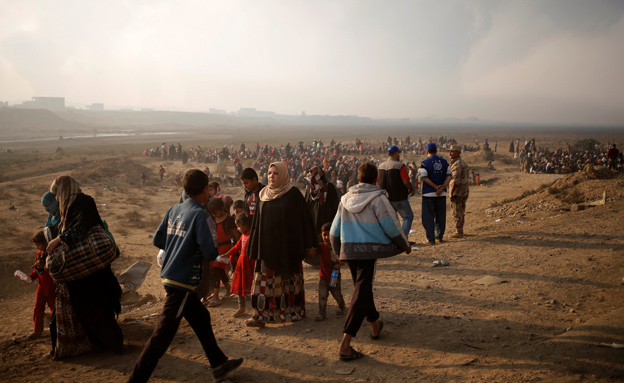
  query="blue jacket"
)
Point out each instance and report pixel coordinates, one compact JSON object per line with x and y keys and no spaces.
{"x":185,"y":237}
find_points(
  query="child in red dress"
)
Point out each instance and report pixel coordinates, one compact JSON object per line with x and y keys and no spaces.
{"x":244,"y":272}
{"x":226,"y":231}
{"x":46,"y":289}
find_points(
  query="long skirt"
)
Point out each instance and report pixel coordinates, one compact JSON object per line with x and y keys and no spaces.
{"x":68,"y":336}
{"x":84,"y":316}
{"x":277,"y":298}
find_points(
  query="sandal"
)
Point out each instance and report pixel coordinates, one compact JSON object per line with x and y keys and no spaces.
{"x":353,"y":356}
{"x":254,"y":323}
{"x":214,"y":303}
{"x":375,"y":337}
{"x":239,"y":313}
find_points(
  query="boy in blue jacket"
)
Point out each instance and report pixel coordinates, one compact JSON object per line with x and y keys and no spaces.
{"x":185,"y":237}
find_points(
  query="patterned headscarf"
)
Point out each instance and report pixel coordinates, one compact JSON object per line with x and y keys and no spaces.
{"x":49,"y":200}
{"x":318,"y":184}
{"x":66,"y":189}
{"x":283,"y":185}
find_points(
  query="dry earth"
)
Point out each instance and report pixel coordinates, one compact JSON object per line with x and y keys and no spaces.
{"x":562,"y":296}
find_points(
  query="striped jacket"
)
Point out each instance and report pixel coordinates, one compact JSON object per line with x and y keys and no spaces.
{"x":366,"y":225}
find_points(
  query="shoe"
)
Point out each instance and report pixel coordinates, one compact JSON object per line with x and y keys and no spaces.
{"x":253,"y":322}
{"x":441,"y":240}
{"x":411,"y":243}
{"x":341,"y":311}
{"x":214,"y":303}
{"x":227,"y":367}
{"x":428,"y":243}
{"x":239,"y":313}
{"x":352,"y":356}
{"x":375,"y":337}
{"x":34,"y":335}
{"x":319,"y":318}
{"x":456,"y":236}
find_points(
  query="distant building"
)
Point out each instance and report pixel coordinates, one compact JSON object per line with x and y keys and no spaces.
{"x":4,"y":104}
{"x":247,"y":111}
{"x":147,"y":110}
{"x":217,"y":111}
{"x":50,"y":103}
{"x":252,"y":112}
{"x":96,"y":107}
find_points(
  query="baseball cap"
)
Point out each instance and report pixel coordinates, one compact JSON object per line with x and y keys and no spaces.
{"x":393,"y":149}
{"x":431,"y":147}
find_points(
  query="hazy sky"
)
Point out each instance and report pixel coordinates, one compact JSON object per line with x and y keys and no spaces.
{"x":534,"y":61}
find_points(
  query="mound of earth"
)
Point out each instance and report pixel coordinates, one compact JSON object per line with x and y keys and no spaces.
{"x":112,"y":170}
{"x":591,"y":184}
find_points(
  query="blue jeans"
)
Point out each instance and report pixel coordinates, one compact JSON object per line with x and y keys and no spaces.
{"x":434,"y":217}
{"x":405,"y":211}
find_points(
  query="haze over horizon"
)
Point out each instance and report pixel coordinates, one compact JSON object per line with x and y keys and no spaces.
{"x":529,"y":61}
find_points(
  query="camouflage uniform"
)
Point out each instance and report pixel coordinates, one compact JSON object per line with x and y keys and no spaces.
{"x":460,"y":178}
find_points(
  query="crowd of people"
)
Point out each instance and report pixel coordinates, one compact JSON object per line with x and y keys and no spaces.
{"x":339,"y":160}
{"x":536,"y":159}
{"x":257,"y":251}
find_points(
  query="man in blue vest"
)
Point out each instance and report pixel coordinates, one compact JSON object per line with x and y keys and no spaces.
{"x":394,"y":179}
{"x":436,"y":176}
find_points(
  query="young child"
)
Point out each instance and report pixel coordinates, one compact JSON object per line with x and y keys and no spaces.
{"x":47,"y":287}
{"x":228,"y":203}
{"x":239,"y":207}
{"x":214,"y":190}
{"x":245,"y":268}
{"x":161,"y":172}
{"x":185,"y":236}
{"x":226,"y":230}
{"x":178,"y":179}
{"x":329,"y":262}
{"x":252,"y":187}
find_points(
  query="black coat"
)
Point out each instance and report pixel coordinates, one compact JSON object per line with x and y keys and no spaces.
{"x":323,"y":212}
{"x":281,"y":231}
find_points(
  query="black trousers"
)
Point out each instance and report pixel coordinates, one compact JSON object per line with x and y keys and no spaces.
{"x":178,"y":304}
{"x":362,"y":302}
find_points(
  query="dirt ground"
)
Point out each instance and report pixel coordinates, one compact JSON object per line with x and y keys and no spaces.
{"x":561,"y":299}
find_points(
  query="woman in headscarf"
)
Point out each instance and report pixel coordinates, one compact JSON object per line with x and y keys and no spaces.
{"x":282,"y":234}
{"x":85,"y":311}
{"x":322,"y":200}
{"x":50,"y":204}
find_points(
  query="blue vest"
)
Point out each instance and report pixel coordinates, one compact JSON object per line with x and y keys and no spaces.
{"x":437,"y":168}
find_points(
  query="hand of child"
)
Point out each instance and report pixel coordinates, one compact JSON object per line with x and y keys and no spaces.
{"x":337,"y":266}
{"x":224,"y":259}
{"x":39,"y":264}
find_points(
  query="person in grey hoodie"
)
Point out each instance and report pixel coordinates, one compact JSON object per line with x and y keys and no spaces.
{"x":365,"y":229}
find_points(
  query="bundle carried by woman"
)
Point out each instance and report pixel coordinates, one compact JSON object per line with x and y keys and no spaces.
{"x":88,"y":246}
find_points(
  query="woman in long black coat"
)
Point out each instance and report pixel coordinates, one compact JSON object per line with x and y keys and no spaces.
{"x":282,"y":235}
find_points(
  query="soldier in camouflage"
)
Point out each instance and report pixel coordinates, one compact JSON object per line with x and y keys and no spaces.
{"x":458,"y":189}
